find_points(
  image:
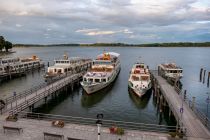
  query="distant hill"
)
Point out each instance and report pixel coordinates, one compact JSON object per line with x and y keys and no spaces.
{"x":175,"y":44}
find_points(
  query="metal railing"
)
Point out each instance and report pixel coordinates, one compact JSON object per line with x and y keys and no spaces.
{"x":188,"y":101}
{"x":22,"y":94}
{"x":105,"y":123}
{"x":52,"y":88}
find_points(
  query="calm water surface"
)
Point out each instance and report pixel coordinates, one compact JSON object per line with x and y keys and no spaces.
{"x":115,"y":102}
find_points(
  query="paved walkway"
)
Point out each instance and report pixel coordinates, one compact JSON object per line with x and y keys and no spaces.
{"x":33,"y":130}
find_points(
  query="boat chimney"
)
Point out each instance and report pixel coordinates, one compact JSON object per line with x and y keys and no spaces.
{"x":65,"y":56}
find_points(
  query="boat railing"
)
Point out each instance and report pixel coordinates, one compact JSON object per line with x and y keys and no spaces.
{"x":105,"y":123}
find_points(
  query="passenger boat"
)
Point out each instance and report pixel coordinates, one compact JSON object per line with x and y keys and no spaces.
{"x":66,"y":66}
{"x":139,"y":81}
{"x":170,"y":71}
{"x":103,"y":72}
{"x":12,"y":66}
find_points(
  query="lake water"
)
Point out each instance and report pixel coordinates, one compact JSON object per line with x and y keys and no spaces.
{"x":115,"y":102}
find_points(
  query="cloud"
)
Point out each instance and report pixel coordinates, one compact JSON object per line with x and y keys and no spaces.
{"x":95,"y":32}
{"x":18,"y":25}
{"x":132,"y":21}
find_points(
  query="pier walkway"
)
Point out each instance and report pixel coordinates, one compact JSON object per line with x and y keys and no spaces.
{"x":21,"y":102}
{"x":183,"y":113}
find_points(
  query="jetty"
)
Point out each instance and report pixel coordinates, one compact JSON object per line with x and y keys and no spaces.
{"x":197,"y":126}
{"x":20,"y":102}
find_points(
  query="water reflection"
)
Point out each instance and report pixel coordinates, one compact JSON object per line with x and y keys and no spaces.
{"x":140,"y":102}
{"x":89,"y":101}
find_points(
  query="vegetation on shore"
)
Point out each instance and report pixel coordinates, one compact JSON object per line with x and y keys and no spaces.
{"x":5,"y":45}
{"x":176,"y":44}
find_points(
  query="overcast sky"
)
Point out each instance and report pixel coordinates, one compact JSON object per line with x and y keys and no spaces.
{"x":90,"y":21}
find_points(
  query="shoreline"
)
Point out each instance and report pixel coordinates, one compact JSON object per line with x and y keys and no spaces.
{"x":113,"y":46}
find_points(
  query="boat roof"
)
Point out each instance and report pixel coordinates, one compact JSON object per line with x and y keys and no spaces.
{"x":70,"y":58}
{"x":113,"y":54}
{"x":170,"y":66}
{"x":59,"y":66}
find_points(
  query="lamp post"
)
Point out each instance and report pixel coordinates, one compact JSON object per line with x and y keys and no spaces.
{"x":99,"y":123}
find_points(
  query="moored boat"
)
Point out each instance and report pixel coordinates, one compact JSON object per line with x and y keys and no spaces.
{"x":103,"y":72}
{"x":66,"y":66}
{"x":170,"y":71}
{"x":139,"y":81}
{"x":15,"y":66}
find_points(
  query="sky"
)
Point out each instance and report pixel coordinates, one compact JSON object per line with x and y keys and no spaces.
{"x":108,"y":21}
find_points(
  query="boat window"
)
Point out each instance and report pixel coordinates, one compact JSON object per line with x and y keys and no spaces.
{"x":59,"y":70}
{"x":103,"y":80}
{"x":25,"y":64}
{"x":91,"y":80}
{"x":20,"y":66}
{"x":65,"y":70}
{"x":144,"y":78}
{"x":55,"y":70}
{"x":97,"y":80}
{"x":85,"y":79}
{"x":69,"y":69}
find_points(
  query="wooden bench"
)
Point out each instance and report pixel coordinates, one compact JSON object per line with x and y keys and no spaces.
{"x":12,"y":128}
{"x":48,"y":135}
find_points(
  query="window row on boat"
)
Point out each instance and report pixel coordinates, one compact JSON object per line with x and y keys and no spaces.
{"x":95,"y":80}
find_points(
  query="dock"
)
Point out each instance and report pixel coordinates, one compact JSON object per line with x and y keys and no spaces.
{"x":21,"y":102}
{"x":184,"y":113}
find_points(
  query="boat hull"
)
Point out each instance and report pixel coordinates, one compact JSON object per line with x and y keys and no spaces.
{"x":139,"y":93}
{"x":90,"y":89}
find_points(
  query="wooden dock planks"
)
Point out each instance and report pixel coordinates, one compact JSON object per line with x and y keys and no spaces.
{"x":192,"y":123}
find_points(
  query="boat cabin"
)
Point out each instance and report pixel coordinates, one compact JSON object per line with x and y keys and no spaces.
{"x":170,"y":70}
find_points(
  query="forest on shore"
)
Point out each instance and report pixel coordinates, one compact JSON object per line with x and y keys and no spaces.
{"x":174,"y":44}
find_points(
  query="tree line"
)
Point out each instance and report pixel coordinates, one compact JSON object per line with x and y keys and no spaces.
{"x":4,"y":44}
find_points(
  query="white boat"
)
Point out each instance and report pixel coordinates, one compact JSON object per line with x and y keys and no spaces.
{"x":103,"y":72}
{"x":170,"y":71}
{"x":139,"y":81}
{"x":11,"y":66}
{"x":66,"y":66}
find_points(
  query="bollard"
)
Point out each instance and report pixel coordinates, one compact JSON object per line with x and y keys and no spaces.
{"x":201,"y":73}
{"x":204,"y":75}
{"x":48,"y":64}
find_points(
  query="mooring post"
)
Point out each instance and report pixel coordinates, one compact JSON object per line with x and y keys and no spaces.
{"x":48,"y":64}
{"x":161,"y":99}
{"x":204,"y":76}
{"x":72,"y":87}
{"x":193,"y":103}
{"x":201,"y":73}
{"x":208,"y":80}
{"x":45,"y":99}
{"x":185,"y":94}
{"x":158,"y":94}
{"x":169,"y":112}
